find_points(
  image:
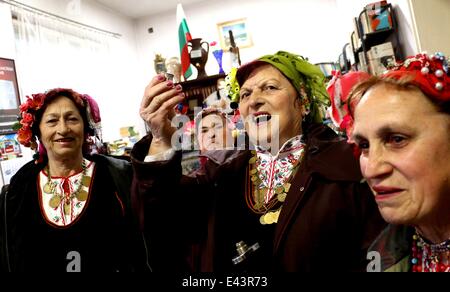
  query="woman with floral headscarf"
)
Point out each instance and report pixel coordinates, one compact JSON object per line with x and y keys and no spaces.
{"x":294,"y":203}
{"x":68,"y":210}
{"x":402,"y":128}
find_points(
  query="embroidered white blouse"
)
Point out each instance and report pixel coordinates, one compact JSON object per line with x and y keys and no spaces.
{"x":276,"y":170}
{"x":56,"y":216}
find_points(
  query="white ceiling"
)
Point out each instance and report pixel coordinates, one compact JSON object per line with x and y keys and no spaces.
{"x":140,"y":8}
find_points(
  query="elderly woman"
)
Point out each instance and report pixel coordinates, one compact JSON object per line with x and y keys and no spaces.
{"x":296,"y":207}
{"x":213,"y":130}
{"x":68,"y":210}
{"x":402,"y":127}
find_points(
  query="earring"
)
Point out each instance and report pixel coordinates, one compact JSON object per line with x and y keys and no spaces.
{"x":305,"y":112}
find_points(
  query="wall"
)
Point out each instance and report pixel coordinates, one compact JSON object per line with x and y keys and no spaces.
{"x":7,"y":48}
{"x":432,"y":23}
{"x":406,"y":27}
{"x":317,"y":29}
{"x":119,"y":103}
{"x":310,"y":28}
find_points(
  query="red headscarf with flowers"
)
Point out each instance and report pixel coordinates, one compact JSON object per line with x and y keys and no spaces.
{"x":31,"y":112}
{"x":430,"y":73}
{"x":339,"y":89}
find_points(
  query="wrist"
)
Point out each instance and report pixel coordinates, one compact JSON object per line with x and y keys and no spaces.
{"x":158,"y":145}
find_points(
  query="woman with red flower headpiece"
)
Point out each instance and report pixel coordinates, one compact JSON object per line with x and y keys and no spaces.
{"x":69,"y":210}
{"x":402,"y":128}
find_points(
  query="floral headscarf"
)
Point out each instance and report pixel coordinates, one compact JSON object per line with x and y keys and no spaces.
{"x":429,"y":73}
{"x":339,"y":89}
{"x":306,"y":78}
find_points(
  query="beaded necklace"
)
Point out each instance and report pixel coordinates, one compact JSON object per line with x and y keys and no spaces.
{"x":256,"y":197}
{"x":66,"y":199}
{"x":428,"y":257}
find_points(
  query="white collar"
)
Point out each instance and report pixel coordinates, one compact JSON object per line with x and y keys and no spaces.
{"x":289,"y":146}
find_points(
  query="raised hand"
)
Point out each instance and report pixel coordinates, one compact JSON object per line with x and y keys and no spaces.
{"x":157,"y":109}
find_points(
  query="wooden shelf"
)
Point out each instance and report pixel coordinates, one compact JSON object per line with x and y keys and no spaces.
{"x":198,"y":90}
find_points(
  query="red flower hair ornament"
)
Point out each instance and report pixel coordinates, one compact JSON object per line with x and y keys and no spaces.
{"x":27,"y":118}
{"x":430,"y":73}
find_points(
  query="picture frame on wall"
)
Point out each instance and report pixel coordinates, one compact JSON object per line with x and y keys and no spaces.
{"x":241,"y":34}
{"x":9,"y":96}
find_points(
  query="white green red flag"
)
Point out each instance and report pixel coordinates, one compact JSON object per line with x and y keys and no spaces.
{"x":184,"y":36}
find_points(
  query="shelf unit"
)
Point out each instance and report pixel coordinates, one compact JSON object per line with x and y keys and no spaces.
{"x":343,"y":60}
{"x":363,"y":40}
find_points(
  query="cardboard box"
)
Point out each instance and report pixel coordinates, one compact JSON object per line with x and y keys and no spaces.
{"x":381,"y":58}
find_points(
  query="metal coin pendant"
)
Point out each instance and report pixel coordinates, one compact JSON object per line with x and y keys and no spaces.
{"x":67,"y":208}
{"x":287,"y":187}
{"x":270,"y":218}
{"x":48,"y":188}
{"x":86,"y":181}
{"x":54,"y":201}
{"x":258,"y":203}
{"x":282,"y":197}
{"x":261,"y":196}
{"x":276,"y":215}
{"x":82,"y":196}
{"x":262,"y":220}
{"x":279,"y":190}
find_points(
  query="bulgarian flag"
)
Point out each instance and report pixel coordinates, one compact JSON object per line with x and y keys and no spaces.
{"x":184,"y":36}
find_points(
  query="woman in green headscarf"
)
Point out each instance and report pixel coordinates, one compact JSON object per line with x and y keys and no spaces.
{"x":294,"y":203}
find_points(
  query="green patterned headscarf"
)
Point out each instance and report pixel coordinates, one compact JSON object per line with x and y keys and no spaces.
{"x":307,"y":79}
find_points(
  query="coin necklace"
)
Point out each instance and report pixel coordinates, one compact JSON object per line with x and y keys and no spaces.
{"x":255,"y":197}
{"x":79,"y":193}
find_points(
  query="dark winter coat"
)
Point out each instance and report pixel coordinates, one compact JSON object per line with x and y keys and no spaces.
{"x":327,"y":222}
{"x":105,"y":236}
